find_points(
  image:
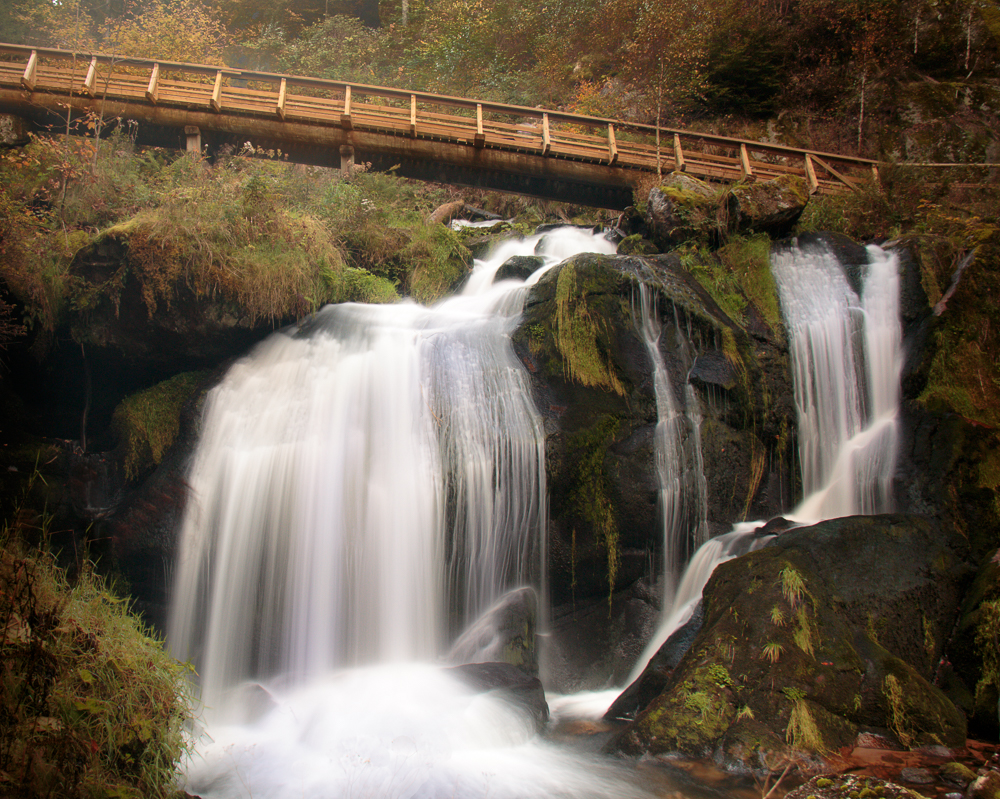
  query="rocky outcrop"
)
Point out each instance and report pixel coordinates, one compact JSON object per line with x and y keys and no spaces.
{"x":830,"y":631}
{"x":770,"y":206}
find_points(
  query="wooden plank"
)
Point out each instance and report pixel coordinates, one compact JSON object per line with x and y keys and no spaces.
{"x":413,"y":115}
{"x":811,"y":175}
{"x":679,"y":164}
{"x":90,"y":82}
{"x":345,"y":117}
{"x":612,"y":146}
{"x":30,"y":71}
{"x":153,"y":89}
{"x":546,"y":137}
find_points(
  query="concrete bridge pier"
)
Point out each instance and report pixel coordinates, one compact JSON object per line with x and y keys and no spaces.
{"x":193,"y":135}
{"x":13,"y":131}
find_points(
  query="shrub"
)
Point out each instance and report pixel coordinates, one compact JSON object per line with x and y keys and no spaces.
{"x":90,"y":703}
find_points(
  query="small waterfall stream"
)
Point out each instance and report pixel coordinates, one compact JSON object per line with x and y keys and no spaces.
{"x":846,"y":351}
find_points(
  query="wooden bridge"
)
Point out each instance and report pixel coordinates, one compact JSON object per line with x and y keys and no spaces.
{"x":533,"y":151}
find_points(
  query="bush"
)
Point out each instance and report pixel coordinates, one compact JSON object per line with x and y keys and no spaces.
{"x":90,"y":703}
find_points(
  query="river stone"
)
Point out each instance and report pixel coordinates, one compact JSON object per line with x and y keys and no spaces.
{"x":518,"y":267}
{"x":838,"y":786}
{"x":680,"y":208}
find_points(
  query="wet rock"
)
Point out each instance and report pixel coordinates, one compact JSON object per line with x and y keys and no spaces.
{"x":654,"y":677}
{"x":508,"y":682}
{"x":985,"y":786}
{"x":504,"y":633}
{"x":519,"y":267}
{"x":838,"y":786}
{"x":812,"y":638}
{"x":916,"y":775}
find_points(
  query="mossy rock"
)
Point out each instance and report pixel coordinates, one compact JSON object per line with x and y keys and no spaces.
{"x":797,"y":625}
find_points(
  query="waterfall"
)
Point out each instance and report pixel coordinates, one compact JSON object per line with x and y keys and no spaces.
{"x":846,"y":350}
{"x":846,"y":361}
{"x":364,"y":486}
{"x":683,"y":493}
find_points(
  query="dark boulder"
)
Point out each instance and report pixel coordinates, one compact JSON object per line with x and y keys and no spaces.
{"x":504,"y":633}
{"x":829,"y":631}
{"x":507,"y":682}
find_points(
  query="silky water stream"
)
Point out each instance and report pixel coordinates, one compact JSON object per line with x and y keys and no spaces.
{"x":364,"y":487}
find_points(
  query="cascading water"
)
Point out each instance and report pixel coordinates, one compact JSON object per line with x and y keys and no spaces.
{"x":846,"y":361}
{"x":683,"y":496}
{"x":359,"y":482}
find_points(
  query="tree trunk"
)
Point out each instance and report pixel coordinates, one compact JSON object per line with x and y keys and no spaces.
{"x":861,"y":113}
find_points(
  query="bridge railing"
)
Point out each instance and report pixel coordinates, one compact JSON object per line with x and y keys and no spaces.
{"x":399,"y":112}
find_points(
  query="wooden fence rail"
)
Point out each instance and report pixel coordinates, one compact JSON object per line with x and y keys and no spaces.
{"x":459,"y":122}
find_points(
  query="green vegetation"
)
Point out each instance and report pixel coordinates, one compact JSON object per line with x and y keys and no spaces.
{"x":148,"y":421}
{"x":90,"y":703}
{"x":988,"y":645}
{"x":581,"y":335}
{"x":802,"y":732}
{"x":588,"y":497}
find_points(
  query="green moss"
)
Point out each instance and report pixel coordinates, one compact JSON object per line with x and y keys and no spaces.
{"x":988,"y":645}
{"x":588,"y":497}
{"x":148,"y":422}
{"x":579,"y":333}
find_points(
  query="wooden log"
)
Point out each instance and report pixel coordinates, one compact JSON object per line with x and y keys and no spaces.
{"x":546,"y":137}
{"x":612,"y":145}
{"x":413,"y":115}
{"x":30,"y":72}
{"x":679,"y":163}
{"x":90,"y":82}
{"x":480,"y":138}
{"x":282,"y":97}
{"x":153,"y":89}
{"x":811,"y":175}
{"x":215,"y":101}
{"x":345,"y":117}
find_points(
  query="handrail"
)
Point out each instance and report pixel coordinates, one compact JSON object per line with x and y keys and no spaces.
{"x":543,"y":116}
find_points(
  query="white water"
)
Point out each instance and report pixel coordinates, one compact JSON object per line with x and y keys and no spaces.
{"x":683,"y":494}
{"x":846,"y":362}
{"x":359,"y":482}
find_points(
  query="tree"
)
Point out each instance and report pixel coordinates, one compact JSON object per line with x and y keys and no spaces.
{"x":172,"y":30}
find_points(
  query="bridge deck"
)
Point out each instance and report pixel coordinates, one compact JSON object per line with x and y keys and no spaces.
{"x":441,"y":135}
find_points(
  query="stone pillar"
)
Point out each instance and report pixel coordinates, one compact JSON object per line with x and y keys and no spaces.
{"x":193,"y":139}
{"x":13,"y":131}
{"x":346,"y":160}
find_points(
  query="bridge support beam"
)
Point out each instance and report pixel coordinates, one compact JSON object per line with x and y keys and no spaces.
{"x":193,"y":136}
{"x":346,"y":159}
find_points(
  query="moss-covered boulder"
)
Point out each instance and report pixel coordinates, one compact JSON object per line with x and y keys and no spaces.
{"x":592,"y":379}
{"x":831,"y":630}
{"x":681,"y":208}
{"x":769,"y":206}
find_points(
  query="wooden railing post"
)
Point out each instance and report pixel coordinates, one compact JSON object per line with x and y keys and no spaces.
{"x":480,"y":137}
{"x":216,"y":99}
{"x":282,"y":96}
{"x":345,"y":118}
{"x":811,"y":181}
{"x":413,"y":115}
{"x":153,"y":89}
{"x":30,"y":71}
{"x":546,"y":138}
{"x":90,"y":82}
{"x":679,"y":164}
{"x":745,"y":164}
{"x":612,"y":145}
